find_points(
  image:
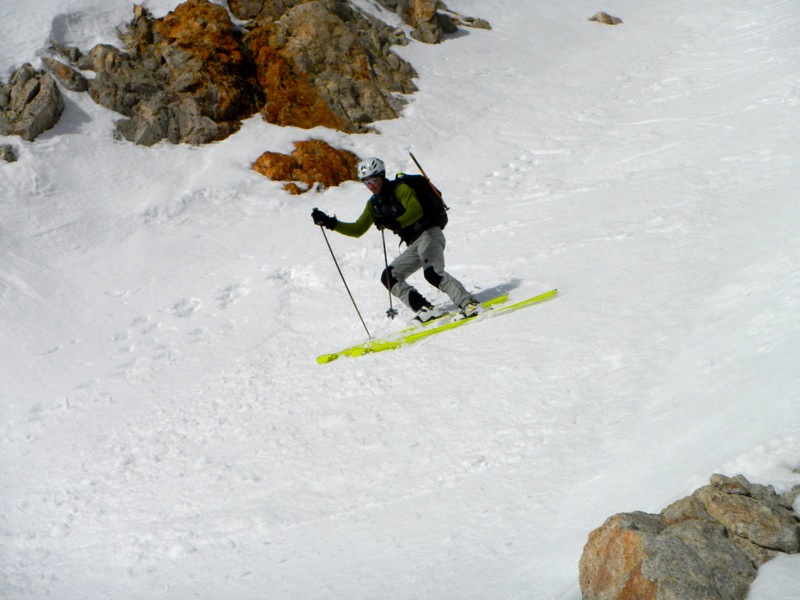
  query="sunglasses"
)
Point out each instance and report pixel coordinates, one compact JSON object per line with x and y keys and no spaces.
{"x":370,"y":180}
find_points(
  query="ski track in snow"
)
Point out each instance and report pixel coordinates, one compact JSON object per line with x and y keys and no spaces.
{"x":167,"y":431}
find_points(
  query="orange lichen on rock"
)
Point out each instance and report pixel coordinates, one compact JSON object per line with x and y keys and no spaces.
{"x":312,"y":164}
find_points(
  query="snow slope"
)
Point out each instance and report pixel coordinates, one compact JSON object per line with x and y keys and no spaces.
{"x":167,"y":433}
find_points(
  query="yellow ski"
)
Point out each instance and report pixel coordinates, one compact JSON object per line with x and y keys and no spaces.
{"x":411,"y":335}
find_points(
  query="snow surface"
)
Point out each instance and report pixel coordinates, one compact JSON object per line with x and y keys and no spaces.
{"x":167,"y":433}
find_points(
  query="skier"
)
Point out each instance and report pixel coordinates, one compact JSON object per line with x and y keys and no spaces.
{"x":395,"y":206}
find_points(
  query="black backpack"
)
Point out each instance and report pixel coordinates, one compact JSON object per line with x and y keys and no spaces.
{"x":433,"y":206}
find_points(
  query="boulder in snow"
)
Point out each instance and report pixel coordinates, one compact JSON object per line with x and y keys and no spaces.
{"x":313,"y":164}
{"x":708,"y":545}
{"x":7,"y":153}
{"x":30,"y":103}
{"x":605,"y":19}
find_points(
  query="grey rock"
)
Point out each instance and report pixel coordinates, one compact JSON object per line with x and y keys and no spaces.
{"x":69,"y":77}
{"x":605,"y":19}
{"x":348,"y":60}
{"x":71,"y":53}
{"x":705,"y":546}
{"x":29,"y":104}
{"x":789,"y":498}
{"x":761,"y":520}
{"x":7,"y":153}
{"x":430,"y":20}
{"x":246,"y":9}
{"x":695,"y":559}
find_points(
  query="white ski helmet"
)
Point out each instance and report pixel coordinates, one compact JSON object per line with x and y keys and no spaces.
{"x":370,"y":167}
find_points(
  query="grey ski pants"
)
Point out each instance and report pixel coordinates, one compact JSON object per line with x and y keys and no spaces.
{"x":426,"y":253}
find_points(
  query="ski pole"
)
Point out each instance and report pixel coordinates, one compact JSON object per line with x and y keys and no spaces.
{"x":433,"y":187}
{"x":325,"y":235}
{"x":392,"y":312}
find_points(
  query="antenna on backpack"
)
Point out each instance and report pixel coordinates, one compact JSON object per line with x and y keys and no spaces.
{"x":433,"y":187}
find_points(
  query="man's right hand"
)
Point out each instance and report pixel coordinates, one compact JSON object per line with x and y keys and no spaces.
{"x":323,"y":220}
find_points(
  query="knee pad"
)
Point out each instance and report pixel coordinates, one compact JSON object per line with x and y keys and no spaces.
{"x":432,"y":277}
{"x":386,"y":278}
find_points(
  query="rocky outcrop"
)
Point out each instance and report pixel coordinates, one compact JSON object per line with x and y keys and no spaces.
{"x":193,"y":76}
{"x":313,"y":164}
{"x":324,"y":63}
{"x":708,"y":545}
{"x":429,"y":19}
{"x":30,"y":103}
{"x":183,"y":78}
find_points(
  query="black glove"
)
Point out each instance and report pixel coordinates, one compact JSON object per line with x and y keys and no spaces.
{"x":387,"y":223}
{"x":320,"y":218}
